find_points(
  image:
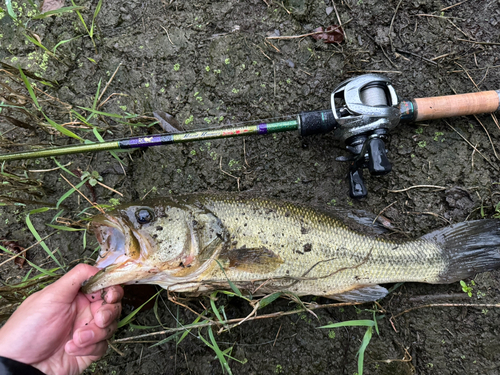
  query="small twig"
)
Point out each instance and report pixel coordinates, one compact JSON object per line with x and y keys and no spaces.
{"x":115,"y":349}
{"x":381,"y":212}
{"x":484,"y":43}
{"x":448,"y":305}
{"x":392,"y":23}
{"x":436,"y":16}
{"x":458,"y":28}
{"x":110,"y":188}
{"x":272,"y":45}
{"x":375,"y":71}
{"x":338,"y":17}
{"x":471,"y":145}
{"x":426,"y":297}
{"x":277,"y":334}
{"x":96,"y":206}
{"x":245,"y":153}
{"x":308,"y":34}
{"x":416,"y":187}
{"x":168,"y":36}
{"x":48,"y":170}
{"x":441,"y":56}
{"x":283,"y":6}
{"x":261,"y":50}
{"x":495,"y":120}
{"x":109,"y":97}
{"x":414,"y":54}
{"x":229,"y":174}
{"x":488,"y":134}
{"x":468,"y":75}
{"x":430,"y":213}
{"x":109,"y":82}
{"x":454,"y":5}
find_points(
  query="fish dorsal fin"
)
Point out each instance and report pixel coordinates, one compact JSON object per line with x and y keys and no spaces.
{"x":257,"y":259}
{"x":364,"y":294}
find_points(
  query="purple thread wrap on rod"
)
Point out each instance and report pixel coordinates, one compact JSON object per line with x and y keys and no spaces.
{"x":155,"y":140}
{"x":262,"y":129}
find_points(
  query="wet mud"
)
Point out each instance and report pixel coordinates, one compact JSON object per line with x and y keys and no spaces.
{"x":209,"y":65}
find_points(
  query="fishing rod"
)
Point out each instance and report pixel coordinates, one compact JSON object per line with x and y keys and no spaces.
{"x":364,"y":110}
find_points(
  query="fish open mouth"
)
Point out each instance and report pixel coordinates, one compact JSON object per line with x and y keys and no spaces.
{"x":122,"y":255}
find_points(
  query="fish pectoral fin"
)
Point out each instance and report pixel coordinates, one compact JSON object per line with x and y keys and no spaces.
{"x":256,"y":260}
{"x":363,"y":294}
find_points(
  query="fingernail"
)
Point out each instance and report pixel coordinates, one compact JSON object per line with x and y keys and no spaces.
{"x":105,"y":317}
{"x":85,"y":336}
{"x":110,"y":296}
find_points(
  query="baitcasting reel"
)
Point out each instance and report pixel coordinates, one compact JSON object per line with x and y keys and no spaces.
{"x":364,"y":110}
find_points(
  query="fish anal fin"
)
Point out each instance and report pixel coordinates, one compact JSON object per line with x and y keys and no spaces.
{"x":367,"y":293}
{"x":258,"y":259}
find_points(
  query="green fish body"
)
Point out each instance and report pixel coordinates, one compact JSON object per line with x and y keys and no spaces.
{"x":197,"y":243}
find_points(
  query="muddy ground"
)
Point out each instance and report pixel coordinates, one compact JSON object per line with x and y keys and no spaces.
{"x":208,"y":64}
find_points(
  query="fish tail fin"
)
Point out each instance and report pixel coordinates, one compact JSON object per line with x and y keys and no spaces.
{"x":470,"y":247}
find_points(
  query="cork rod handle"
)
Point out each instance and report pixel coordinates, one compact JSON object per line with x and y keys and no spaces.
{"x":456,"y":105}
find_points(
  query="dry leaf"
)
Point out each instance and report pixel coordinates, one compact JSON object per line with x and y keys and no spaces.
{"x":167,"y":122}
{"x":332,"y":34}
{"x":16,"y":249}
{"x":49,"y":5}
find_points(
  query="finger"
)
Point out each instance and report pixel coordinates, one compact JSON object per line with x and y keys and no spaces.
{"x":111,"y":294}
{"x":97,"y":350}
{"x":92,"y":334}
{"x":65,"y":289}
{"x":106,"y":314}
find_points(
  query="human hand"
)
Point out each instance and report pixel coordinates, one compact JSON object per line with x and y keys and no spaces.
{"x":59,"y":330}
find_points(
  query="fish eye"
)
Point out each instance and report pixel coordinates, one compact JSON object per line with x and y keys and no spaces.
{"x":144,"y":215}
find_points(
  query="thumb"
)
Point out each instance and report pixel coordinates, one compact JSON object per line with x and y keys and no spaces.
{"x":67,"y":287}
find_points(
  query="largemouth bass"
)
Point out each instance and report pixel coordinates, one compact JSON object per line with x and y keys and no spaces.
{"x":197,"y":243}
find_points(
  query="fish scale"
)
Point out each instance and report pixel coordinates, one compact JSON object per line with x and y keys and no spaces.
{"x":359,"y":259}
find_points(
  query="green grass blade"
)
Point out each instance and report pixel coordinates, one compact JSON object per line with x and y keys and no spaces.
{"x":63,"y":42}
{"x":94,"y":105}
{"x":30,"y":89}
{"x":10,"y":10}
{"x":165,"y":340}
{"x":214,"y":308}
{"x":66,"y":229}
{"x":80,"y":16}
{"x":101,"y":113}
{"x":361,"y":352}
{"x":70,"y":191}
{"x":62,"y":129}
{"x":269,"y":299}
{"x":63,"y":167}
{"x":57,"y":11}
{"x":129,"y":317}
{"x":218,"y":352}
{"x":37,"y":236}
{"x":231,"y":284}
{"x":135,"y":326}
{"x":101,"y":139}
{"x":351,"y":323}
{"x":96,"y":12}
{"x":82,"y":119}
{"x":187,"y":331}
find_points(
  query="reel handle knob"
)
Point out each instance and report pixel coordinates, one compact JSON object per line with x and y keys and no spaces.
{"x":357,"y":188}
{"x":378,"y":163}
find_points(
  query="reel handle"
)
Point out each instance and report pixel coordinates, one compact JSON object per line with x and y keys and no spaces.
{"x":378,"y":163}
